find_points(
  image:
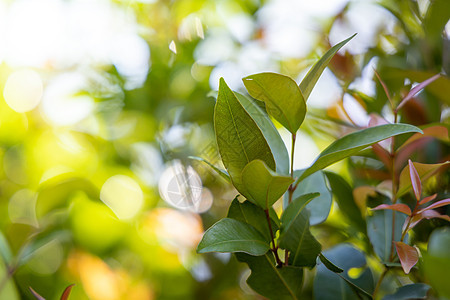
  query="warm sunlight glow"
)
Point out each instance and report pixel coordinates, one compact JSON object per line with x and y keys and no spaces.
{"x":23,"y":90}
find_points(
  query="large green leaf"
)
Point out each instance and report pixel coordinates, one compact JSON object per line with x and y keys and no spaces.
{"x":238,"y":137}
{"x":310,"y":80}
{"x":252,"y":214}
{"x":282,"y":96}
{"x":270,"y":281}
{"x":264,"y":187}
{"x":379,"y":230}
{"x":329,"y":285}
{"x":295,"y":235}
{"x":320,"y":207}
{"x":269,"y":131}
{"x":355,"y":142}
{"x":229,"y":235}
{"x":410,"y":291}
{"x":222,"y":173}
{"x":343,"y":193}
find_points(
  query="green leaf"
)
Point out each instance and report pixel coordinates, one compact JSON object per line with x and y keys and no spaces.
{"x":269,"y":131}
{"x":222,"y":173}
{"x":330,"y":266}
{"x":295,"y":235}
{"x":230,"y":235}
{"x":264,"y":187}
{"x":9,"y":290}
{"x":320,"y":207}
{"x":35,"y":294}
{"x":410,"y":291}
{"x":282,"y":96}
{"x":252,"y":214}
{"x":343,"y":193}
{"x":270,"y":281}
{"x":238,"y":137}
{"x":5,"y":249}
{"x":310,"y":80}
{"x":329,"y":285}
{"x":355,"y":142}
{"x":379,"y":230}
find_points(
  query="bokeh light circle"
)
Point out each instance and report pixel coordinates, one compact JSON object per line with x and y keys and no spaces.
{"x":23,"y":90}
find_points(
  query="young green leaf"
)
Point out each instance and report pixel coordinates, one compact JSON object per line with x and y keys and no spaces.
{"x":238,"y":137}
{"x":230,"y":235}
{"x":270,"y":281}
{"x":295,"y":235}
{"x":310,"y":80}
{"x":415,"y":180}
{"x":269,"y":131}
{"x":282,"y":96}
{"x":355,"y":142}
{"x":403,"y":208}
{"x":330,"y":266}
{"x":408,"y":256}
{"x":222,"y":173}
{"x":264,"y":187}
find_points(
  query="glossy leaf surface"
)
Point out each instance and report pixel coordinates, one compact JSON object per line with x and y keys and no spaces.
{"x":408,"y":256}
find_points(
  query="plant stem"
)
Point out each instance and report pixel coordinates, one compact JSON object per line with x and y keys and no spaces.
{"x":394,"y":188}
{"x":274,"y":249}
{"x":377,"y":287}
{"x":291,"y":187}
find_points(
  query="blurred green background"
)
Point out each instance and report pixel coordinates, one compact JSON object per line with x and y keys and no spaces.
{"x":103,"y":102}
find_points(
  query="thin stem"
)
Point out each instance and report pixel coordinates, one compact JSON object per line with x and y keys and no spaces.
{"x":380,"y":280}
{"x":394,"y":188}
{"x":291,"y":188}
{"x":274,"y":248}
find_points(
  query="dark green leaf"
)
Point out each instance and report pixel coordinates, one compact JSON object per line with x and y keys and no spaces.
{"x":252,"y":214}
{"x":238,"y":137}
{"x":222,"y":173}
{"x":310,"y":80}
{"x":264,"y":187}
{"x":330,"y":266}
{"x":355,"y":142}
{"x":269,"y":131}
{"x":295,"y":235}
{"x":270,"y":281}
{"x":229,"y":235}
{"x":329,"y":285}
{"x":282,"y":96}
{"x":410,"y":291}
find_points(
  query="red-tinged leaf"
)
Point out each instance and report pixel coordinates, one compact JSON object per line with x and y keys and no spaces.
{"x":383,"y":155}
{"x":429,"y":214}
{"x":385,"y":88}
{"x":427,"y":199}
{"x":436,"y":205}
{"x":35,"y":294}
{"x":439,"y":132}
{"x":425,"y":172}
{"x":417,"y":89}
{"x":415,"y":180}
{"x":408,"y":256}
{"x":66,"y":293}
{"x":403,"y":208}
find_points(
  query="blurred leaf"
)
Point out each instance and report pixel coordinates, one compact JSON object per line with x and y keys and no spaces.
{"x":238,"y":137}
{"x":427,"y":199}
{"x":269,"y":131}
{"x":344,"y":197}
{"x":385,"y":88}
{"x":8,"y":290}
{"x":263,"y":185}
{"x":282,"y":96}
{"x":436,"y":131}
{"x":35,"y":294}
{"x":408,"y":256}
{"x":66,"y":293}
{"x":310,"y":80}
{"x":222,"y":173}
{"x":229,"y":235}
{"x":410,"y":291}
{"x":425,"y":171}
{"x":403,"y":208}
{"x":295,"y":235}
{"x":427,"y":214}
{"x":417,"y":89}
{"x":330,"y":266}
{"x":329,"y":285}
{"x":251,"y":214}
{"x":436,"y":205}
{"x":5,"y":249}
{"x":415,"y":180}
{"x":379,"y":230}
{"x":320,"y":207}
{"x":270,"y":281}
{"x":355,"y":142}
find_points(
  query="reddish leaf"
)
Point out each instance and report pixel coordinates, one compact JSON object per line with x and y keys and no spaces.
{"x":417,"y":89}
{"x":408,"y":256}
{"x":385,"y":88}
{"x":66,"y":293}
{"x":435,"y":205}
{"x":427,"y":199}
{"x":403,"y":208}
{"x":383,"y":155}
{"x":35,"y":294}
{"x":429,"y":214}
{"x":415,"y":180}
{"x":439,"y":132}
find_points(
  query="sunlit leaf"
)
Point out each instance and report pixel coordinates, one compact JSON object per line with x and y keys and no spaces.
{"x":408,"y":256}
{"x":355,"y":142}
{"x":310,"y":80}
{"x":264,"y":187}
{"x":270,"y":281}
{"x":398,"y":207}
{"x":229,"y":235}
{"x":415,"y":181}
{"x":5,"y":249}
{"x":410,"y":291}
{"x":238,"y":137}
{"x":417,"y":89}
{"x":282,"y":96}
{"x":223,"y":173}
